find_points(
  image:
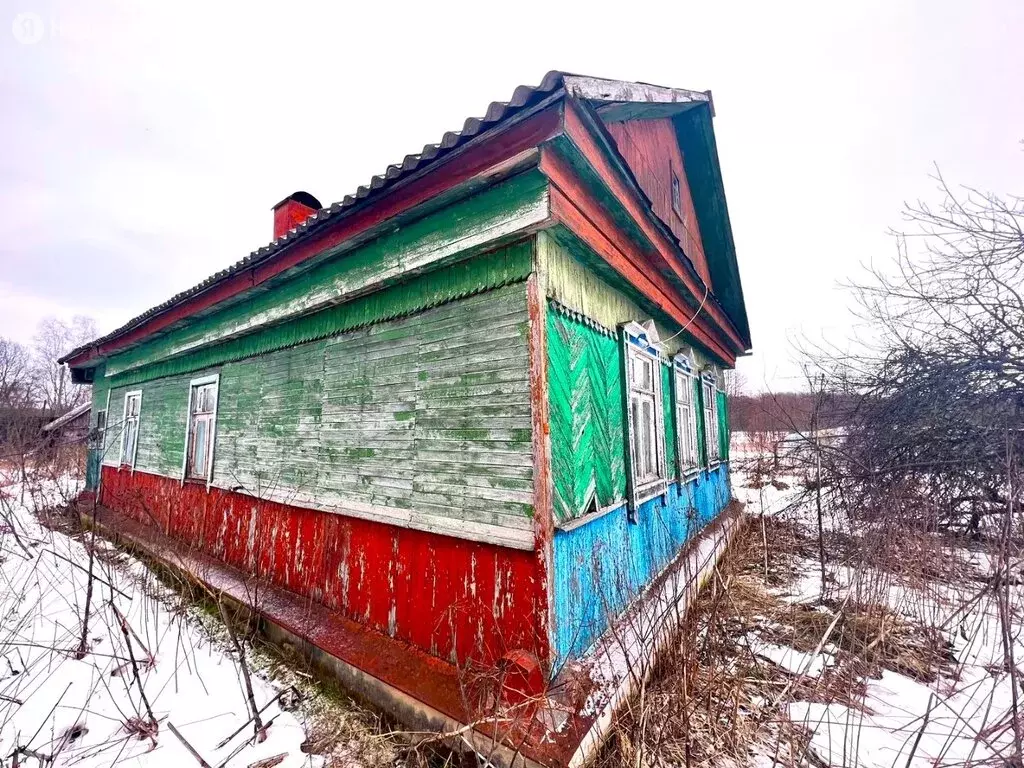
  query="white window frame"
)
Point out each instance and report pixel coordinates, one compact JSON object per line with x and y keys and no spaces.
{"x":121,"y":458}
{"x":684,"y":372}
{"x":193,"y":385}
{"x":638,"y":347}
{"x":712,"y":439}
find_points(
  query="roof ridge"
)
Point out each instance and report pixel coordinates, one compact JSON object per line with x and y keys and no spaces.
{"x":497,"y":111}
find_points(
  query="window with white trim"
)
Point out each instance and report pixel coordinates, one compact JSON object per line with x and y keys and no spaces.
{"x":709,"y":396}
{"x":645,"y":419}
{"x":130,"y":428}
{"x":686,"y":414}
{"x":202,"y":426}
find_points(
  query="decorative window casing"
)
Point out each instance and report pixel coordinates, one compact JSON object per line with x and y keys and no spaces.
{"x":709,"y":400}
{"x":202,"y":429}
{"x":645,"y":428}
{"x":130,"y":428}
{"x":687,"y":447}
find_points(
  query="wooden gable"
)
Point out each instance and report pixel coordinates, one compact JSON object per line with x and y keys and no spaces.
{"x":651,"y":149}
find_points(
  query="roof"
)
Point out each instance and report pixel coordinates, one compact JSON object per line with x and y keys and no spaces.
{"x":607,"y":92}
{"x":68,"y":417}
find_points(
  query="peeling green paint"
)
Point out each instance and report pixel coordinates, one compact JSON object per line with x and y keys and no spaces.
{"x":428,"y":413}
{"x":485,"y":272}
{"x":327,"y":295}
{"x":585,"y":394}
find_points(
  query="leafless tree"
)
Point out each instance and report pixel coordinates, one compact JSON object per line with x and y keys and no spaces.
{"x":55,"y":338}
{"x":937,"y":395}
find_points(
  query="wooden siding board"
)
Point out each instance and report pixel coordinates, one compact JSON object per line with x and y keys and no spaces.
{"x":586,"y":401}
{"x":578,"y":287}
{"x":437,"y":592}
{"x":589,"y":592}
{"x":384,"y":416}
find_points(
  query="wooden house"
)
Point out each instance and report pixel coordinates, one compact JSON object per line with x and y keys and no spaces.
{"x":459,"y":421}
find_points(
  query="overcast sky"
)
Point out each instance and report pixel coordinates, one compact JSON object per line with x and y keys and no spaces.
{"x":144,"y":143}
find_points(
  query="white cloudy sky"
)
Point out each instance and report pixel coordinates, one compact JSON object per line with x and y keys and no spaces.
{"x":144,"y":143}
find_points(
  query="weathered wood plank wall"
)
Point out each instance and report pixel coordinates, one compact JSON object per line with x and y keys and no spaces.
{"x":422,"y":421}
{"x":652,"y":151}
{"x":452,"y":598}
{"x":344,"y":291}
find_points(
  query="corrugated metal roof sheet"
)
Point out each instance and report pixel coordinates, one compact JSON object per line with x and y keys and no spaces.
{"x":497,"y":113}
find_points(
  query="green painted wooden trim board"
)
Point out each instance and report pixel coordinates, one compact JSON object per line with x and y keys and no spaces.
{"x":475,"y":224}
{"x":488,"y":271}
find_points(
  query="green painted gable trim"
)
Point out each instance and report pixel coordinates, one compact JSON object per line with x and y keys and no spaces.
{"x":502,"y":267}
{"x":484,"y":221}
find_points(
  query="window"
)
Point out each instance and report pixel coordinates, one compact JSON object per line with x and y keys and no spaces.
{"x":711,"y":439}
{"x":677,"y":196}
{"x":202,"y":424}
{"x":130,"y":428}
{"x":686,"y":414}
{"x":644,"y":416}
{"x":98,"y":432}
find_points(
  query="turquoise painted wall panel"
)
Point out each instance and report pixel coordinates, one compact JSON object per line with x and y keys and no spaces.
{"x":600,"y":566}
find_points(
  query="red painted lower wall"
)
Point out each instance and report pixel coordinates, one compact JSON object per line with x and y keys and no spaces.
{"x":456,"y":599}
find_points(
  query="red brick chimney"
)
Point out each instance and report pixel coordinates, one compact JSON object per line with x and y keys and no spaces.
{"x":292,"y":211}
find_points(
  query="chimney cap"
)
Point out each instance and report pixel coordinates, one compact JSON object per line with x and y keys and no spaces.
{"x":304,"y":198}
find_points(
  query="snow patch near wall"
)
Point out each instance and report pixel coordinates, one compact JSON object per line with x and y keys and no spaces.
{"x":79,"y":710}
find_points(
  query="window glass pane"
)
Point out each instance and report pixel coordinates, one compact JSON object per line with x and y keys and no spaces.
{"x":200,"y":437}
{"x":203,"y":398}
{"x":129,"y":442}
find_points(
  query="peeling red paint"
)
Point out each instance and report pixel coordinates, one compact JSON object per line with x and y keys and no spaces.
{"x":456,"y":599}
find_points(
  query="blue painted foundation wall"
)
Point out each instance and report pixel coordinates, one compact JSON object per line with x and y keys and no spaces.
{"x":603,"y":564}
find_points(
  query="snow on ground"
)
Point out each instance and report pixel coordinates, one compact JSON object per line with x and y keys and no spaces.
{"x":963,"y":717}
{"x":790,"y":659}
{"x":87,"y":709}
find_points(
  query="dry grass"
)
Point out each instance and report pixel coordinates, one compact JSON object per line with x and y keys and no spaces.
{"x":713,"y":700}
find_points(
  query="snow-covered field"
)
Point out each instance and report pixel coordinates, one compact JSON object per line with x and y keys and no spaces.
{"x":149,"y":666}
{"x":965,"y":713}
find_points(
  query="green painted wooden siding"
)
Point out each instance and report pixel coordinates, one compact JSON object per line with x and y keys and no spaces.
{"x":429,"y":412}
{"x":588,"y":461}
{"x":491,"y":270}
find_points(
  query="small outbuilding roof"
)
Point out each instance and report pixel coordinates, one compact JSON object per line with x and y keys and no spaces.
{"x":67,"y":418}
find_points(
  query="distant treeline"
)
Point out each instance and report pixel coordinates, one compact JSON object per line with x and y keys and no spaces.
{"x":788,"y":411}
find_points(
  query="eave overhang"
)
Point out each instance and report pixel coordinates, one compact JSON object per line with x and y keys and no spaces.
{"x":443,"y":172}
